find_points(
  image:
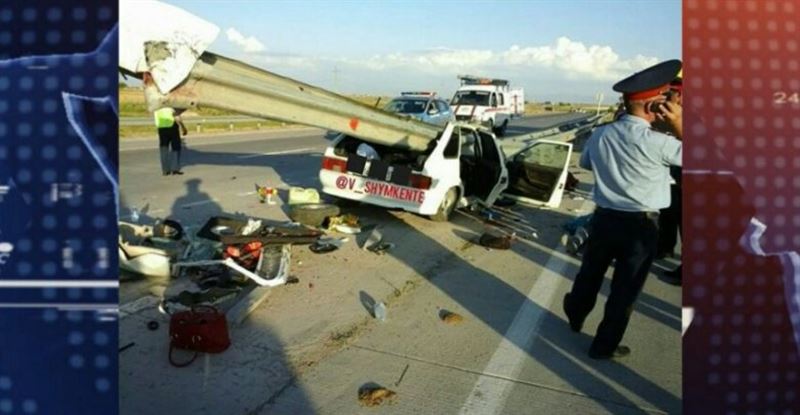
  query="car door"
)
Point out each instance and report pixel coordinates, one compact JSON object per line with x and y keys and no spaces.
{"x":446,"y":113}
{"x":432,"y":114}
{"x":538,"y":173}
{"x":493,"y":168}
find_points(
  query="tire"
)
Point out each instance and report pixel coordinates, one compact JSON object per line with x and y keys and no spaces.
{"x":312,"y":214}
{"x":448,"y":205}
{"x":502,"y":130}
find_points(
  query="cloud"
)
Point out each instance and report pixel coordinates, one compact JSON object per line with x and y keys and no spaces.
{"x":285,"y":60}
{"x":249,"y":44}
{"x":577,"y":59}
{"x":432,"y":60}
{"x":571,"y":59}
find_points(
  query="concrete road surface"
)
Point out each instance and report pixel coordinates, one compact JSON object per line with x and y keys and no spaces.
{"x":314,"y":344}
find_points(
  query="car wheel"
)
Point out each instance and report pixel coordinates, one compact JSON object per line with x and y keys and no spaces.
{"x":448,"y":205}
{"x":502,"y":130}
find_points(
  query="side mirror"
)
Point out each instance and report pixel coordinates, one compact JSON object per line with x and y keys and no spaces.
{"x":433,"y":111}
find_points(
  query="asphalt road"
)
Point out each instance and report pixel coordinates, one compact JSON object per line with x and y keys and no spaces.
{"x":312,"y":345}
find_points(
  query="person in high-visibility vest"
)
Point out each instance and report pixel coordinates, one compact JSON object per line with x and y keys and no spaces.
{"x":168,"y":121}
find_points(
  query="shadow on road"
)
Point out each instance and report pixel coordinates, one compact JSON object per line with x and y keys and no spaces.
{"x":555,"y":347}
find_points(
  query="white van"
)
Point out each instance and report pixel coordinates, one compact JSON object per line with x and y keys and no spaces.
{"x":465,"y":165}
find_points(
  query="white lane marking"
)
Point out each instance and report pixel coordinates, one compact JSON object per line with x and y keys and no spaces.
{"x":275,"y":153}
{"x":246,"y":193}
{"x":152,"y":144}
{"x":59,"y":284}
{"x":489,"y":394}
{"x":687,"y":315}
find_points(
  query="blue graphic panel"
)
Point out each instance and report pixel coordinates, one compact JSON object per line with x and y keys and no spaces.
{"x":58,"y":187}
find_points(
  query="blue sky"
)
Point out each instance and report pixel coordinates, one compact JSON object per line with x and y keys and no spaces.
{"x":556,"y":50}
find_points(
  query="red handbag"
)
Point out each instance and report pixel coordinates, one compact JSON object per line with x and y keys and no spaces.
{"x":201,"y":329}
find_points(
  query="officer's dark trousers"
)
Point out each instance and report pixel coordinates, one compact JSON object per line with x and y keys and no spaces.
{"x":669,"y":222}
{"x":169,"y":146}
{"x":630,"y":238}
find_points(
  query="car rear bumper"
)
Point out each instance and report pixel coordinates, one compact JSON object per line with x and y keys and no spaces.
{"x":380,"y":193}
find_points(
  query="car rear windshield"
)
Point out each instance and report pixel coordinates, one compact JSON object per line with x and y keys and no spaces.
{"x":471,"y":98}
{"x":406,"y":106}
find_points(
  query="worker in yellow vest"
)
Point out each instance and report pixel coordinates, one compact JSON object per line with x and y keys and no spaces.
{"x":168,"y":121}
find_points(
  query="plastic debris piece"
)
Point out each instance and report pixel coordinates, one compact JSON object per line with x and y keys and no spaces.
{"x":252,"y":226}
{"x":379,"y":311}
{"x":381,"y":248}
{"x":350,"y":230}
{"x":298,"y":195}
{"x":322,"y":248}
{"x":375,"y":237}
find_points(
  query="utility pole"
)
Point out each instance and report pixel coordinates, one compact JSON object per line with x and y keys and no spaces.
{"x":599,"y":100}
{"x":336,"y":79}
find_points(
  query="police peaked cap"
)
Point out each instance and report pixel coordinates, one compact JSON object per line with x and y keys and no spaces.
{"x":649,"y":82}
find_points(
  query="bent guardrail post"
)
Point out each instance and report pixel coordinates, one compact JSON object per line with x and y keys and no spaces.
{"x":160,"y":53}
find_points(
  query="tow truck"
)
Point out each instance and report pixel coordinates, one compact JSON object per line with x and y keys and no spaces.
{"x":415,"y":166}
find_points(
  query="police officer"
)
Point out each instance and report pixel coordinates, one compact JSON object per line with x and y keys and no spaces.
{"x":168,"y":121}
{"x":669,"y":222}
{"x":630,"y":162}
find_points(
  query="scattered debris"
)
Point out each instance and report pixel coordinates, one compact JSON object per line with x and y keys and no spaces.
{"x":230,"y":231}
{"x":379,"y":311}
{"x":322,"y":248}
{"x":212,"y":296}
{"x":271,"y":270}
{"x":168,"y":228}
{"x":375,"y":395}
{"x":505,"y":202}
{"x":346,"y":223}
{"x":266,"y":194}
{"x":140,"y":251}
{"x":450,"y":317}
{"x":126,"y":347}
{"x":402,"y":375}
{"x":299,"y":195}
{"x":251,"y":227}
{"x":493,"y":241}
{"x":375,"y":244}
{"x":312,"y":214}
{"x":292,"y":280}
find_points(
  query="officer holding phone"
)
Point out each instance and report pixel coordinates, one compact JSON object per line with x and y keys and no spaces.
{"x":630,"y":161}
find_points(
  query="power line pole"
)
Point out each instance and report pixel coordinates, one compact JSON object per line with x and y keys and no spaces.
{"x":336,"y":78}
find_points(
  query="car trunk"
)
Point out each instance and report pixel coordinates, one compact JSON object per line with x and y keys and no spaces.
{"x":400,"y":159}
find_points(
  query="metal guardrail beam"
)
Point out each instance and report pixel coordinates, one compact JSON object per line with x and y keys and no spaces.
{"x":226,"y":84}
